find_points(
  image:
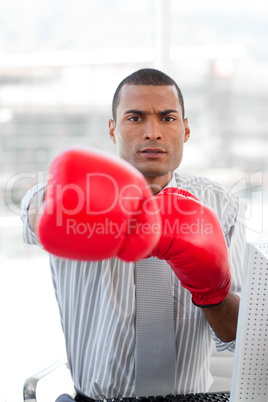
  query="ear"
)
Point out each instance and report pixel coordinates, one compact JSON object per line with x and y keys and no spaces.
{"x":187,"y":130}
{"x":112,"y":130}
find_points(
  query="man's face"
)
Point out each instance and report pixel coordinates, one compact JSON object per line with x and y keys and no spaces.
{"x":150,"y":130}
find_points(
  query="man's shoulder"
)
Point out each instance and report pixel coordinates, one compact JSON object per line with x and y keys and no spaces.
{"x":198,"y":182}
{"x":208,"y":191}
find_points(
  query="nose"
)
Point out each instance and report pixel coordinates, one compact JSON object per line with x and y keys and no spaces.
{"x":152,"y":130}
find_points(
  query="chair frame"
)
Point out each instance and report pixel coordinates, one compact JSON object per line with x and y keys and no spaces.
{"x":30,"y":385}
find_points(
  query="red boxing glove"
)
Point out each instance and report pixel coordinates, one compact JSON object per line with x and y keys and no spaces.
{"x":193,"y":244}
{"x":97,"y":206}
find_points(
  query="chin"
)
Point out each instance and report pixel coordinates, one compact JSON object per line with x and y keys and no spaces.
{"x":154,"y":172}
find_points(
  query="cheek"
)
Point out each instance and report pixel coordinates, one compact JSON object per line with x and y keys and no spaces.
{"x":177,"y":150}
{"x":124,"y":147}
{"x":177,"y":144}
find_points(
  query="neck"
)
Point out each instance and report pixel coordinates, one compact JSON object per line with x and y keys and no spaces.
{"x":157,"y":184}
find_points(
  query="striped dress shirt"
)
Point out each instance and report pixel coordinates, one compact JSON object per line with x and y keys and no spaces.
{"x":97,"y":307}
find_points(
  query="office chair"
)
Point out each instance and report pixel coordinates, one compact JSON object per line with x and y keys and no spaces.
{"x":31,"y":383}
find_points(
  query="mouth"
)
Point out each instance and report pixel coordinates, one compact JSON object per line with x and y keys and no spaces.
{"x":152,"y":152}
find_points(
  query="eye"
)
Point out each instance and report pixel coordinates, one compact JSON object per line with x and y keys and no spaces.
{"x":134,"y":118}
{"x":168,"y":118}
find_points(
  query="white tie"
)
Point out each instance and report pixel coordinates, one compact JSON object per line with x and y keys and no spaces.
{"x":155,"y":342}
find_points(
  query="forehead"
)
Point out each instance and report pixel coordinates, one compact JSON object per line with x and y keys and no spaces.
{"x":148,"y":96}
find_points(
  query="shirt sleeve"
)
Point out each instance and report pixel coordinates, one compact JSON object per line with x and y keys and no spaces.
{"x":28,"y":235}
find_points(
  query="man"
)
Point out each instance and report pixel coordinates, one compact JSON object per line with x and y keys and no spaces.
{"x":97,"y":298}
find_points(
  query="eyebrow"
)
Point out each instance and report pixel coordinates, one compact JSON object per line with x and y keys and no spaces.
{"x":168,"y":111}
{"x":135,"y":111}
{"x":142,"y":112}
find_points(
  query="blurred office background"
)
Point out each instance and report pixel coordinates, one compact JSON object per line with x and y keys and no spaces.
{"x":60,"y":62}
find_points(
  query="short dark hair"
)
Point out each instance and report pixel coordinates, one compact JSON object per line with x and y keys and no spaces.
{"x":146,"y":76}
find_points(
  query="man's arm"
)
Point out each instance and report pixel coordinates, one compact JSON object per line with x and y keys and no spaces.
{"x":223,"y":317}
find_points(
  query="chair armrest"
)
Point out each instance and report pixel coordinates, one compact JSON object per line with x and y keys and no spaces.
{"x":30,"y":385}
